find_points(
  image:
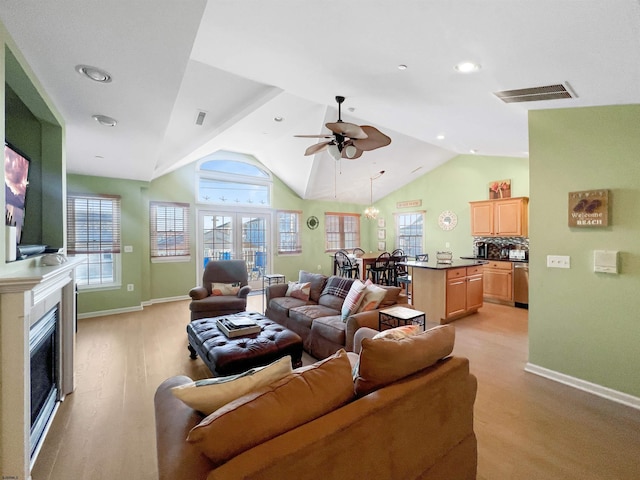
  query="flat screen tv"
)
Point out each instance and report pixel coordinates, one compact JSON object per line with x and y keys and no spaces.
{"x":16,"y":174}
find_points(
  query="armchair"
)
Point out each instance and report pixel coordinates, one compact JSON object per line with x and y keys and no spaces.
{"x":204,"y":304}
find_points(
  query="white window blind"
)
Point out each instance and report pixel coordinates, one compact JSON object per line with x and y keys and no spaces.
{"x":93,"y":224}
{"x":289,"y":232}
{"x":169,"y":225}
{"x":342,"y":231}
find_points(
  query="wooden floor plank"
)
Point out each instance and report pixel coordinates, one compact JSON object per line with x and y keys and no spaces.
{"x":528,"y":427}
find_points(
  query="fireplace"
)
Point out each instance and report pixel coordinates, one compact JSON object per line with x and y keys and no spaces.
{"x":37,"y":348}
{"x":44,"y":355}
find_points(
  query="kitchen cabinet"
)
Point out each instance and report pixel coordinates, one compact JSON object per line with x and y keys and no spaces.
{"x":464,"y":293}
{"x":446,"y":293}
{"x":498,"y":281}
{"x":505,"y":217}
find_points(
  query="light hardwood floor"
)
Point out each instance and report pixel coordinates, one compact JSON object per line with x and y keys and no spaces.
{"x":528,"y":427}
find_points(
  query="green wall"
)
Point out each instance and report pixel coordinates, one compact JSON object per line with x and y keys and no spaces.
{"x":585,"y":324}
{"x":452,"y":186}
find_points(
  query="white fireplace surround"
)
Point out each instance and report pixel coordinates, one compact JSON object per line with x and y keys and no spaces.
{"x":27,"y":291}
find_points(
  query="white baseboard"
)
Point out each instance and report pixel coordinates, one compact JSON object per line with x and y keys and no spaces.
{"x":147,"y":303}
{"x":593,"y":388}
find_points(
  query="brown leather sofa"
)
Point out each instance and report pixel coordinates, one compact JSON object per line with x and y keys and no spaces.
{"x":318,"y":320}
{"x":417,"y":427}
{"x":204,"y":304}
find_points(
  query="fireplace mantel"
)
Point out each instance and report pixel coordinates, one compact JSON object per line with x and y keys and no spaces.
{"x":27,"y":291}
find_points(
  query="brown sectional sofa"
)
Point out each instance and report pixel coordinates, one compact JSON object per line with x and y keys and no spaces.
{"x":318,"y":321}
{"x":418,"y":426}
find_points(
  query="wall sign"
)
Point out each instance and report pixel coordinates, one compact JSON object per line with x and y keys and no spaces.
{"x":409,"y":203}
{"x":589,"y":208}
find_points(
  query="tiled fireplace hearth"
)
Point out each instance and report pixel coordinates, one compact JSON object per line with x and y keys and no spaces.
{"x":28,"y":293}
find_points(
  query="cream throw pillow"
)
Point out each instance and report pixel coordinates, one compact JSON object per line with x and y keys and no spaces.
{"x":225,"y":288}
{"x":299,"y":290}
{"x":373,"y":296}
{"x":353,"y":300}
{"x":210,"y":394}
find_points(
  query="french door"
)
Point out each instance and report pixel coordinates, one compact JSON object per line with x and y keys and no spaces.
{"x":226,"y":235}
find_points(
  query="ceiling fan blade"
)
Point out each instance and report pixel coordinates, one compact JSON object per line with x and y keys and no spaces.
{"x":318,"y":147}
{"x":375,"y":139}
{"x":322,"y":135}
{"x":345,"y":129}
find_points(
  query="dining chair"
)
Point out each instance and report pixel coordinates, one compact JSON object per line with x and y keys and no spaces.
{"x":379,"y":270}
{"x":358,"y":252}
{"x":346,"y":268}
{"x":422,"y":257}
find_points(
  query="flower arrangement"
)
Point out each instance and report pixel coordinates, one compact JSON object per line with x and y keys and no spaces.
{"x":500,"y":189}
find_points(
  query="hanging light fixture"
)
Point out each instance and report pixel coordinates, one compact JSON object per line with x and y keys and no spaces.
{"x":371,"y":212}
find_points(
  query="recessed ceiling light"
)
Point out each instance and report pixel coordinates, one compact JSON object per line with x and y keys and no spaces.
{"x":467,"y":67}
{"x":402,"y":67}
{"x":278,"y":119}
{"x":473,"y":150}
{"x":440,"y":137}
{"x":104,"y":120}
{"x":95,"y":74}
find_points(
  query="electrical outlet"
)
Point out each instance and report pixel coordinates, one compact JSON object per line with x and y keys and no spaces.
{"x":558,"y":261}
{"x":130,"y":287}
{"x":128,"y":249}
{"x":319,"y":267}
{"x":447,"y":245}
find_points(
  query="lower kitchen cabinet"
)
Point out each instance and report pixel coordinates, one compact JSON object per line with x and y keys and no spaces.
{"x":498,"y":281}
{"x":464,"y":291}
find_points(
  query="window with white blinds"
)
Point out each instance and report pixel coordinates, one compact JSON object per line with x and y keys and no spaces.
{"x":289,"y":232}
{"x":169,"y":225}
{"x":93,"y":231}
{"x":342,"y":231}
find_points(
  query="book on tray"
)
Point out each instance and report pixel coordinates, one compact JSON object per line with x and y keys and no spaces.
{"x":237,"y":327}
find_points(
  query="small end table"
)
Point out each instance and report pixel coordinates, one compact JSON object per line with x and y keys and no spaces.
{"x":268,"y":279}
{"x":396,"y":316}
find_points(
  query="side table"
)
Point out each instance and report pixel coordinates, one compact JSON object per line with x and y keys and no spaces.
{"x":396,"y":316}
{"x":269,"y":279}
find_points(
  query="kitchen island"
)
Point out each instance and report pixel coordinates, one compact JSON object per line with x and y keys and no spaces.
{"x":447,"y":291}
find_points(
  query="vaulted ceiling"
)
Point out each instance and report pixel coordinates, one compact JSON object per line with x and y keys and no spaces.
{"x":246,"y":63}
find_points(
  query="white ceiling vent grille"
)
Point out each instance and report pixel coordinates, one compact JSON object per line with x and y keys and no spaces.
{"x":549,"y":92}
{"x":200,"y":117}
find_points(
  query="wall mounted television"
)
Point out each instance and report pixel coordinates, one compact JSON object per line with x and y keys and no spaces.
{"x":16,"y":180}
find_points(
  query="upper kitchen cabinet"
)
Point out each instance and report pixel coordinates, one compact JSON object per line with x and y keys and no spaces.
{"x":505,"y":217}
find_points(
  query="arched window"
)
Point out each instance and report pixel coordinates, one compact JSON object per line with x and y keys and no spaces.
{"x":223,"y":181}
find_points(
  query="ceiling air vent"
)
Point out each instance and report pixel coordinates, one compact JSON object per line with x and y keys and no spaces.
{"x":549,"y":92}
{"x":200,"y":117}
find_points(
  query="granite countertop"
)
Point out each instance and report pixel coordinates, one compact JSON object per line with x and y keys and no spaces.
{"x":434,"y":265}
{"x":496,"y":259}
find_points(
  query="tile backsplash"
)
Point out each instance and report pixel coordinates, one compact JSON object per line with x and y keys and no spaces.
{"x":497,"y":244}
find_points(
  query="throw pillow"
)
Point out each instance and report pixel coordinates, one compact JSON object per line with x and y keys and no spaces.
{"x":338,"y":286}
{"x":298,"y":398}
{"x":300,"y":291}
{"x":210,"y":394}
{"x":225,"y":288}
{"x":385,"y":360}
{"x":317,"y":281}
{"x":353,"y":300}
{"x":373,"y":295}
{"x":397,"y":333}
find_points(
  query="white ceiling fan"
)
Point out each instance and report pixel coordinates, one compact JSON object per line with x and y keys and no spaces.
{"x":348,"y":139}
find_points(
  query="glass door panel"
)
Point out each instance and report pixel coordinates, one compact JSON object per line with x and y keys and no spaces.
{"x":230,"y":235}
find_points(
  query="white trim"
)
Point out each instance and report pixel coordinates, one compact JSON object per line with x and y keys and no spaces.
{"x":146,"y":303}
{"x":595,"y":389}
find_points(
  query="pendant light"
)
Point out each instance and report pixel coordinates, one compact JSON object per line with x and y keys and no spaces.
{"x":371,"y":212}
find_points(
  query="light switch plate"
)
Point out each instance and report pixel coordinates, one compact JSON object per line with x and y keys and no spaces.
{"x":558,"y":261}
{"x":128,"y":248}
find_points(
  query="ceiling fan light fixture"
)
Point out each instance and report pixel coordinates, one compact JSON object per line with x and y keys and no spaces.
{"x":334,"y":151}
{"x":350,"y":151}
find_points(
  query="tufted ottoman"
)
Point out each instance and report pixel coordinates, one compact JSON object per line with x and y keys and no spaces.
{"x":228,"y":356}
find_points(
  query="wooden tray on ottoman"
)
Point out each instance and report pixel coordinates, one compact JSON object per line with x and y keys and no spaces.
{"x":227,"y":356}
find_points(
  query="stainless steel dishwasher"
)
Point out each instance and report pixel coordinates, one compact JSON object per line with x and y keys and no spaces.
{"x":521,"y":284}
